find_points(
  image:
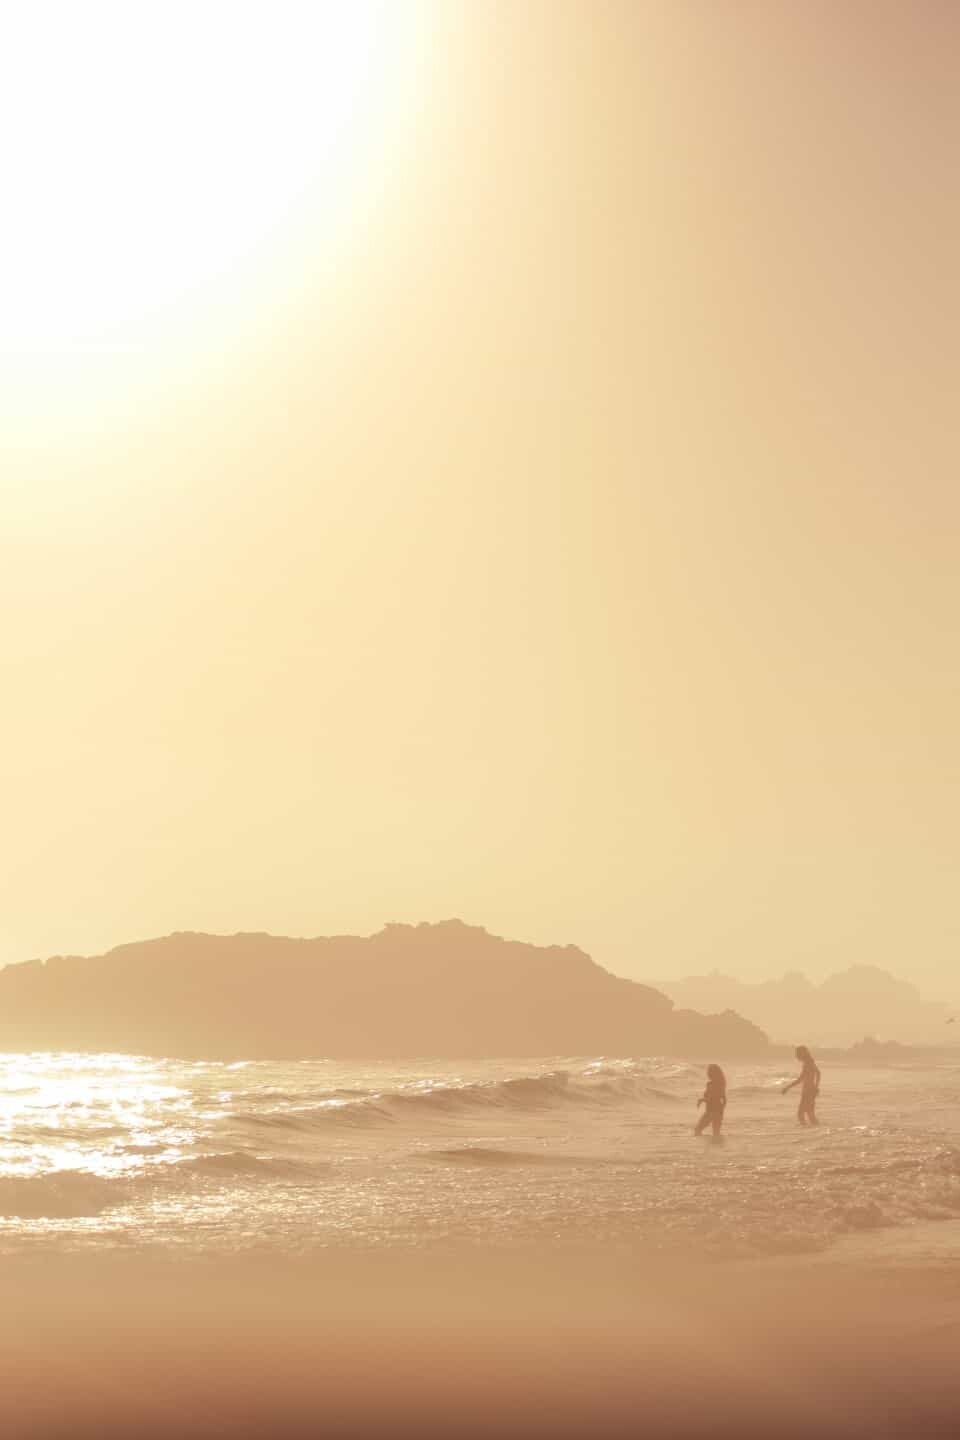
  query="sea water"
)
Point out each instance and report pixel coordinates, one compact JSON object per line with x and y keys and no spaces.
{"x":129,"y":1151}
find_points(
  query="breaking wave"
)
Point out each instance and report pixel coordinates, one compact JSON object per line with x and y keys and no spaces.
{"x":597,"y":1087}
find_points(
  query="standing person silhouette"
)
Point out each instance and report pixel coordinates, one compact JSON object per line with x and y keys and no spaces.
{"x":809,"y":1082}
{"x":714,"y":1101}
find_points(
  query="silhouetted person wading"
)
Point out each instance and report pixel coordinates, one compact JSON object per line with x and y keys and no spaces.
{"x":714,"y":1101}
{"x":809,"y":1082}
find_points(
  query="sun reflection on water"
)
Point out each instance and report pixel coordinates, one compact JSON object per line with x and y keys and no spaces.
{"x":103,"y":1115}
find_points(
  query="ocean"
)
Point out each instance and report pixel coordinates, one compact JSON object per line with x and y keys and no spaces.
{"x":128,"y":1152}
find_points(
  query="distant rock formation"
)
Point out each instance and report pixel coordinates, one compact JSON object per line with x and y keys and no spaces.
{"x":447,"y":989}
{"x":863,"y":1000}
{"x":870,"y":1051}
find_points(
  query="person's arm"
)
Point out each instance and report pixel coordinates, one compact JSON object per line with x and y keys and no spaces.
{"x":792,"y":1083}
{"x":816,"y":1072}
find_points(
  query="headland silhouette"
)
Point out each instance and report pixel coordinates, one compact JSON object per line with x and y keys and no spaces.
{"x":446,"y":989}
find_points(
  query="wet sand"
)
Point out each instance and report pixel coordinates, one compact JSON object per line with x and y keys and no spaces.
{"x":860,"y":1341}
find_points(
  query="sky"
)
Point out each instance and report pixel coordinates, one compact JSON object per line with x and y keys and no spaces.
{"x":512,"y":477}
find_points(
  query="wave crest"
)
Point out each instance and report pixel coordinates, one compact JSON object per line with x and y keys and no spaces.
{"x":598,"y":1086}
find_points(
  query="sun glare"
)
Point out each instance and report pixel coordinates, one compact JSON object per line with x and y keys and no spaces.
{"x":154,"y":156}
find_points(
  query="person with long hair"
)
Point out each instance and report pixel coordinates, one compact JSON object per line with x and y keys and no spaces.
{"x":809,"y":1082}
{"x":714,"y":1101}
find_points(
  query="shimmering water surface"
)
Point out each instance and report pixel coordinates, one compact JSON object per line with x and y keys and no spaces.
{"x":121,"y":1150}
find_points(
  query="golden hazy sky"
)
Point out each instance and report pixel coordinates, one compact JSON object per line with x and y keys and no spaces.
{"x":548,"y":517}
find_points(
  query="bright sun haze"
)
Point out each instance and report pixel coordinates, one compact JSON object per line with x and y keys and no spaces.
{"x":155,"y":153}
{"x":484,"y":460}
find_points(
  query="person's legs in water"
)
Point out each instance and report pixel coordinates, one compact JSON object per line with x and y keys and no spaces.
{"x":716,"y":1120}
{"x":807,"y":1113}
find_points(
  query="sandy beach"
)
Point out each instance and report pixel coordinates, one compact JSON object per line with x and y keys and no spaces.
{"x":513,"y":1342}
